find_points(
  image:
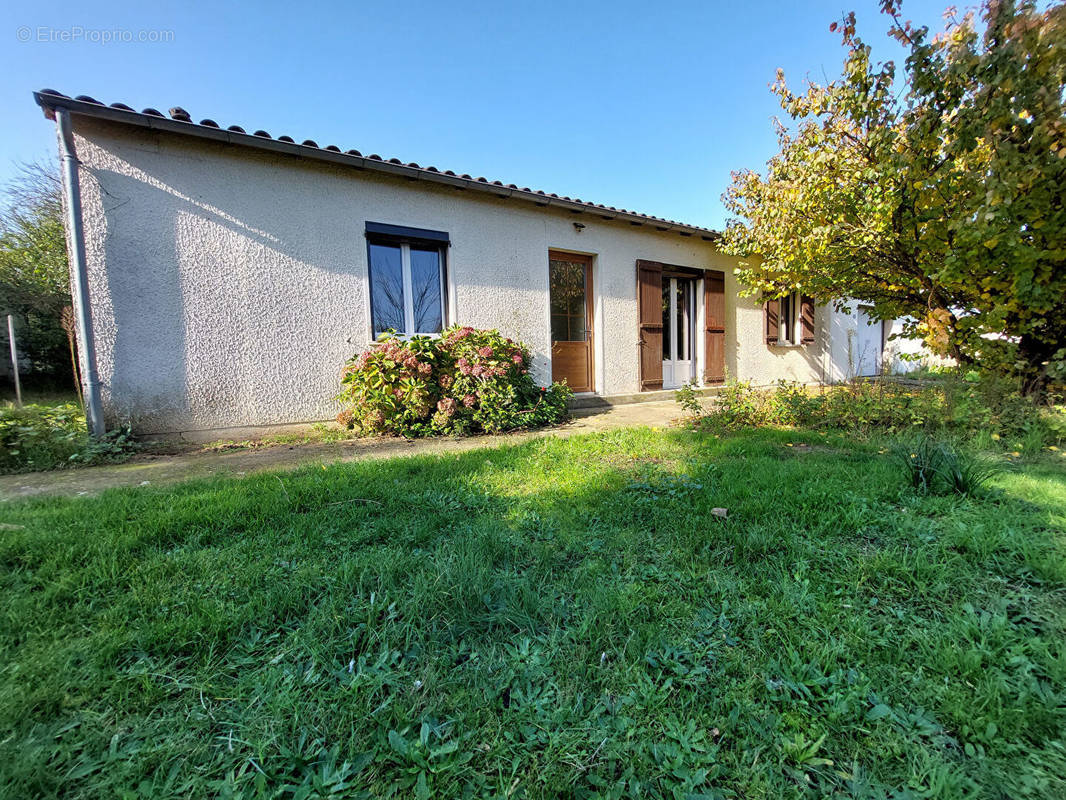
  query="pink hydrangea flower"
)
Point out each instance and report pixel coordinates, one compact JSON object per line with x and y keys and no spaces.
{"x":469,"y":400}
{"x":445,"y":381}
{"x":485,"y":352}
{"x":517,"y":359}
{"x":447,"y":406}
{"x":425,"y":368}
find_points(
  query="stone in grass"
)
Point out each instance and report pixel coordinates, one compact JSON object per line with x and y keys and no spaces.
{"x":720,"y":512}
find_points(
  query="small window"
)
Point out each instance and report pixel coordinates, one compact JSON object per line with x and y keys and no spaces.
{"x":789,"y":320}
{"x":406,"y":279}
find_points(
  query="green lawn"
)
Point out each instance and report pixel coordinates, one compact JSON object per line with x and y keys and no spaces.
{"x":564,"y":617}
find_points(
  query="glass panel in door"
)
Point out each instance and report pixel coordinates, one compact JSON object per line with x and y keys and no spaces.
{"x":683,"y":295}
{"x":678,"y":294}
{"x":668,"y":339}
{"x":569,"y":283}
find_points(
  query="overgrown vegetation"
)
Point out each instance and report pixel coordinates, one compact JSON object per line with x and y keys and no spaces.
{"x":939,"y":467}
{"x":982,"y":411}
{"x":932,"y":193}
{"x":34,"y":278}
{"x":463,"y":381}
{"x":567,"y":617}
{"x":40,"y":437}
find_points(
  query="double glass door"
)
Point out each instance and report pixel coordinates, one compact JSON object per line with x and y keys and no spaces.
{"x":679,"y":314}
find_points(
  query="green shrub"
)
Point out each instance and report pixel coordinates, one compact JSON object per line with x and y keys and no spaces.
{"x":464,"y":381}
{"x":920,"y":459}
{"x":689,"y":399}
{"x":988,"y":411}
{"x":40,"y":437}
{"x":932,"y":466}
{"x":791,"y":404}
{"x":967,"y":473}
{"x":737,"y":405}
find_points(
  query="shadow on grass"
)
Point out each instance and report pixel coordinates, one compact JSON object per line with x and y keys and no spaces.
{"x":567,"y":613}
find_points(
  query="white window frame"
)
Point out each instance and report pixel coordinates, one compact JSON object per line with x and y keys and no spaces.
{"x":408,"y":287}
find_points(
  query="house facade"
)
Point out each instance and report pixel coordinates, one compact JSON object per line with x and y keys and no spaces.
{"x":230,"y":274}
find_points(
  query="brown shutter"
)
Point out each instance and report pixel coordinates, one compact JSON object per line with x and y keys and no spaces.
{"x":771,"y":310}
{"x":714,"y":316}
{"x":807,"y":320}
{"x":650,"y":324}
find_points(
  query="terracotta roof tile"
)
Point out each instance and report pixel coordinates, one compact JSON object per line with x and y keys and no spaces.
{"x":50,"y":99}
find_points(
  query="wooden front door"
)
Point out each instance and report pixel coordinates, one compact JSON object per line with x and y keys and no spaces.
{"x":570,"y":282}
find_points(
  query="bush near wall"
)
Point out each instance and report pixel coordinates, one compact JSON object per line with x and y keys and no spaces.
{"x":464,"y":381}
{"x":983,"y":409}
{"x":38,"y":437}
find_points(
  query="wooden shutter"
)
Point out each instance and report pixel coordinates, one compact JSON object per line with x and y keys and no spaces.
{"x":807,"y":320}
{"x":771,"y":312}
{"x":650,"y":324}
{"x":714,"y":318}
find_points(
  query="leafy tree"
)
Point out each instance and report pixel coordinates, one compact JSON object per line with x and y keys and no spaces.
{"x":942,"y":200}
{"x":34,"y":277}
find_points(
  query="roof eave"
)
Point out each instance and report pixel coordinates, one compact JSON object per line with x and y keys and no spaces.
{"x":49,"y":101}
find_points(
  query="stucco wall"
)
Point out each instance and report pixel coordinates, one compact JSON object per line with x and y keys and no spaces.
{"x":228,"y":286}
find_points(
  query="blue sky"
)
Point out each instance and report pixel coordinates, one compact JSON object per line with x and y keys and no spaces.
{"x":646,"y":106}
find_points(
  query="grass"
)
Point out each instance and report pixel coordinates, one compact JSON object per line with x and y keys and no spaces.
{"x":564,"y":617}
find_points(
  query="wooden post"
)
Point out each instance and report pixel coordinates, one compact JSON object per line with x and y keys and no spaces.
{"x":14,"y":358}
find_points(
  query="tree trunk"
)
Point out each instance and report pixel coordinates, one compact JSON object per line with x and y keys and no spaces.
{"x":1034,"y":356}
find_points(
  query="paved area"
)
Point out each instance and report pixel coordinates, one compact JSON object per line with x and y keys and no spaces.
{"x":147,"y":469}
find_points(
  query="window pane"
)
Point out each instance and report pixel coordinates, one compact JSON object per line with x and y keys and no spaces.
{"x":666,"y":319}
{"x":567,"y":300}
{"x":788,"y":318}
{"x":425,"y":286}
{"x":577,"y":328}
{"x":683,"y":294}
{"x":577,"y":305}
{"x":560,"y":331}
{"x":386,"y":288}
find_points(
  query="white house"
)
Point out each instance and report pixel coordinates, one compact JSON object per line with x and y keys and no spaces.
{"x":228,"y":274}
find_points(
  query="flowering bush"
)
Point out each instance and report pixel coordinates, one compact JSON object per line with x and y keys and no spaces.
{"x":464,"y":381}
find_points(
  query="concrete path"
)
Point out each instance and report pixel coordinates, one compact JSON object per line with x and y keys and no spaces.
{"x":151,"y":469}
